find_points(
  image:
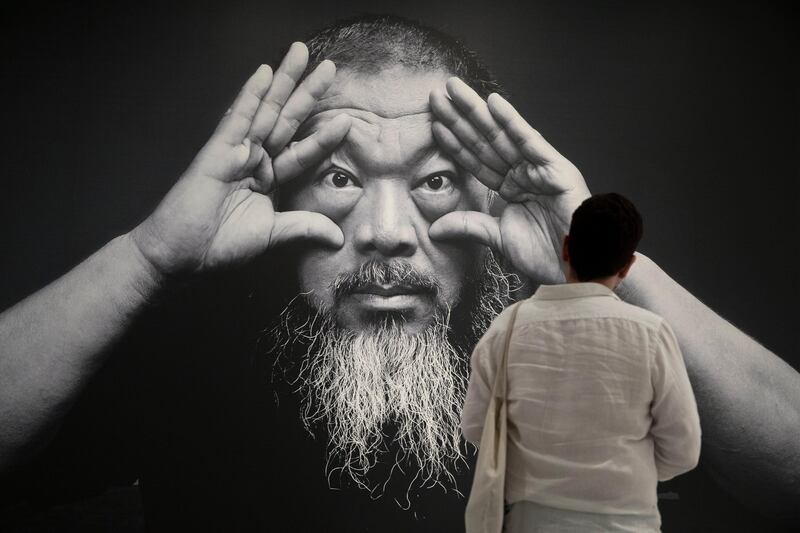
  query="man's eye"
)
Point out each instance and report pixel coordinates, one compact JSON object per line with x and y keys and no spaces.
{"x":339,"y":180}
{"x":437,"y":182}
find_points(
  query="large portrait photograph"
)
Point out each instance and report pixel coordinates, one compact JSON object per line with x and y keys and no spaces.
{"x":263,"y":265}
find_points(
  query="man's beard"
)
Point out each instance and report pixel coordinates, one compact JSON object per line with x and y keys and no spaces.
{"x":379,"y":386}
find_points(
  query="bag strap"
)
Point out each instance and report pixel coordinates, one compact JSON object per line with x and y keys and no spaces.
{"x":484,"y":512}
{"x":500,"y":379}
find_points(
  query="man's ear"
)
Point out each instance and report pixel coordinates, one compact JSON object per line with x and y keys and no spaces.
{"x":565,"y":249}
{"x":627,"y":267}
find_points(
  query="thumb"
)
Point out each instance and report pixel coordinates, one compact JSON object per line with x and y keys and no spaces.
{"x":474,"y":225}
{"x":296,"y":225}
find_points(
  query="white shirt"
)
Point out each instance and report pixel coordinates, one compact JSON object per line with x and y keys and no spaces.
{"x":600,"y":407}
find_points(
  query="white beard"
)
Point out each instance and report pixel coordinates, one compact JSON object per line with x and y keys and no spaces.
{"x":382,"y":385}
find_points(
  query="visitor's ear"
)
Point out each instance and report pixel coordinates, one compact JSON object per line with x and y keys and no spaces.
{"x":565,"y":249}
{"x":627,"y":267}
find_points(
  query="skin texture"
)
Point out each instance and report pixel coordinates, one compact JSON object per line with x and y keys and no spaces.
{"x":384,"y":186}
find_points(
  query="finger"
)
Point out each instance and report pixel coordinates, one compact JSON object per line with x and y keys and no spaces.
{"x":473,"y":225}
{"x":447,"y":113}
{"x":283,"y":82}
{"x":465,"y":158}
{"x":474,"y":107}
{"x":531,"y":143}
{"x":238,"y":118}
{"x":299,"y":106}
{"x":296,"y":225}
{"x":303,"y":155}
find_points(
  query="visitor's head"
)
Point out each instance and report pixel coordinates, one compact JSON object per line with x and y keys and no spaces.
{"x":604,"y":234}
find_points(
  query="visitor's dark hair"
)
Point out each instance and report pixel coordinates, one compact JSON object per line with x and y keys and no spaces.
{"x":368,"y":44}
{"x":605,"y":231}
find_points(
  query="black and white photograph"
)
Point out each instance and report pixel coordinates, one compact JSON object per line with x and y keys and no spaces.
{"x":400,"y":267}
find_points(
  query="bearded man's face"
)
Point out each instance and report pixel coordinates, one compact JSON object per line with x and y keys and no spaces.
{"x":388,"y":319}
{"x":384,"y":186}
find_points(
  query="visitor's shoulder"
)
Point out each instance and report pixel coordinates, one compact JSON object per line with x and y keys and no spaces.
{"x":504,"y":318}
{"x":501,"y":322}
{"x":638,"y":314}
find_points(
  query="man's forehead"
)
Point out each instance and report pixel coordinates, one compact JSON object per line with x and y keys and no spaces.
{"x":392,"y":93}
{"x":390,"y":110}
{"x":396,"y":97}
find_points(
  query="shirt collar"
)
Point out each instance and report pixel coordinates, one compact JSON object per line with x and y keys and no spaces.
{"x":573,"y":290}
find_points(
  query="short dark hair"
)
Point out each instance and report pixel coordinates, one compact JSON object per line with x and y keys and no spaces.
{"x":370,"y":43}
{"x":605,"y":231}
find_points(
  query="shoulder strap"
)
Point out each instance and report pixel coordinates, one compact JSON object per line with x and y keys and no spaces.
{"x":502,"y":370}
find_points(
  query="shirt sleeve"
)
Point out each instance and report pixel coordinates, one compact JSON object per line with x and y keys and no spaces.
{"x":676,"y":423}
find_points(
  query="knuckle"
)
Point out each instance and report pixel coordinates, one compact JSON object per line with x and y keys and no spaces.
{"x":463,"y":154}
{"x":478,"y":145}
{"x":529,"y":147}
{"x":272,"y":106}
{"x":494,"y":134}
{"x":250,"y":92}
{"x":288,"y":125}
{"x":256,"y":138}
{"x":477,"y":168}
{"x":282,"y":77}
{"x":293,"y":123}
{"x":300,"y":161}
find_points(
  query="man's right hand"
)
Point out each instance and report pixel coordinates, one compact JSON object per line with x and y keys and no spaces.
{"x":218,"y":213}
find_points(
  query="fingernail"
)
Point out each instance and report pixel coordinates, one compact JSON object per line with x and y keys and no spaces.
{"x":328,"y":67}
{"x":262,"y":70}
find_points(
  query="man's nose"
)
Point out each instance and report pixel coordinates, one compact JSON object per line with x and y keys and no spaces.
{"x":386,"y":226}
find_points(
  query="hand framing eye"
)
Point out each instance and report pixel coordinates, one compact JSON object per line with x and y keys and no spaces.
{"x":219,"y":212}
{"x":490,"y":140}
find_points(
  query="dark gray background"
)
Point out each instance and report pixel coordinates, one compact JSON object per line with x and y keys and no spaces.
{"x":690,"y":111}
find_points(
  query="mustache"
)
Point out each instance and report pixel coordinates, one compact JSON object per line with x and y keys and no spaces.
{"x":374,"y":272}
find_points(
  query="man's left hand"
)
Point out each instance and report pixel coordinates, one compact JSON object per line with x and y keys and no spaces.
{"x":491,"y":141}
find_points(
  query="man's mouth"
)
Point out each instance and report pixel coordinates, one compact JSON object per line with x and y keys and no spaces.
{"x":389,"y":297}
